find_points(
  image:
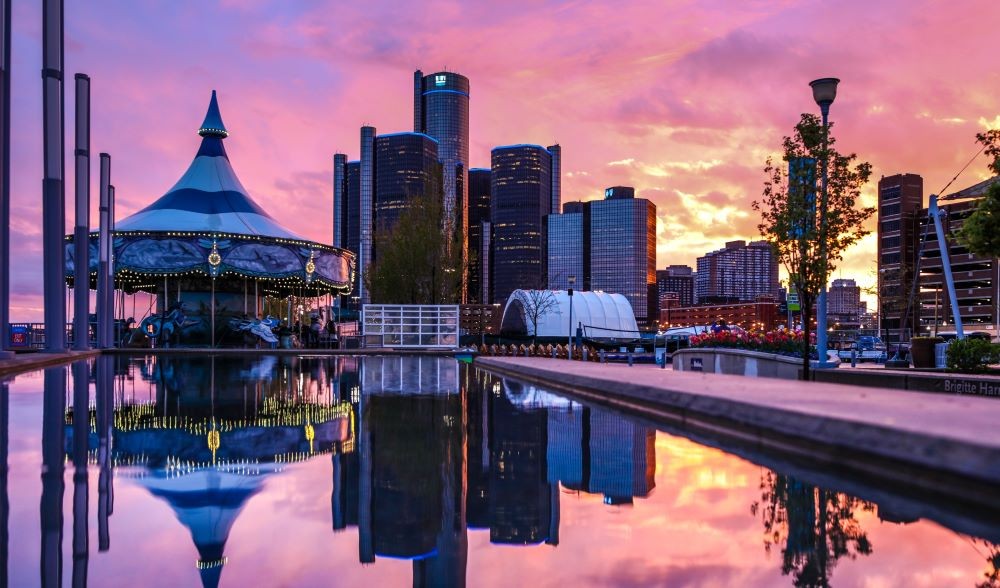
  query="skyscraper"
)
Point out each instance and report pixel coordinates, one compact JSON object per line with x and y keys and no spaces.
{"x":899,"y":200}
{"x":623,"y":251}
{"x":406,"y":167}
{"x":441,"y":110}
{"x":347,"y":207}
{"x":565,"y":250}
{"x":479,"y":213}
{"x":556,"y":152}
{"x":678,"y":279}
{"x":844,"y":306}
{"x":740,"y":272}
{"x":367,"y":180}
{"x":521,"y":197}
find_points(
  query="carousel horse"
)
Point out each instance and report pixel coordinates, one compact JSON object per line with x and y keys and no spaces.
{"x":264,"y":329}
{"x":163,"y":328}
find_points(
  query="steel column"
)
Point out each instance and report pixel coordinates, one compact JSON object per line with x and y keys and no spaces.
{"x":103,"y":248}
{"x":53,"y":189}
{"x":81,"y":257}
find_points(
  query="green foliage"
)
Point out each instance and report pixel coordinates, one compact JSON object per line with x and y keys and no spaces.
{"x":981,"y":231}
{"x":807,"y":242}
{"x":415,"y":261}
{"x":971,"y":355}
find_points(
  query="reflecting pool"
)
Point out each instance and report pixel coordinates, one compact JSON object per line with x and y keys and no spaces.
{"x":395,"y":471}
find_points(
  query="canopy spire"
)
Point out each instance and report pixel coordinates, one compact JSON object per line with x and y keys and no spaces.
{"x":213,"y":127}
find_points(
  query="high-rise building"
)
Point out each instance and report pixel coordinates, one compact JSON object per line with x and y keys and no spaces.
{"x":608,"y":245}
{"x":623,"y":251}
{"x":565,"y":251}
{"x":556,"y":152}
{"x":367,"y":192}
{"x":976,"y":277}
{"x":406,"y":167}
{"x":339,"y":163}
{"x":900,"y":197}
{"x":347,"y":207}
{"x":844,"y":304}
{"x":479,"y":213}
{"x":740,"y":272}
{"x":678,"y":279}
{"x":441,"y":110}
{"x":521,"y":197}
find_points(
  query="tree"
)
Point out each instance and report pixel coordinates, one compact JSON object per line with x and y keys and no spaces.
{"x":416,"y":261}
{"x":537,"y":304}
{"x":980,"y":233}
{"x":807,"y":246}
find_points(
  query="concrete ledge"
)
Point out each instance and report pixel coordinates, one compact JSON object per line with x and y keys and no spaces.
{"x":937,"y":382}
{"x":26,"y":362}
{"x":926,"y":441}
{"x":741,"y":362}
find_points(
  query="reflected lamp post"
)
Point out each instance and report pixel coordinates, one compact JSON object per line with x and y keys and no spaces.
{"x":824,"y":92}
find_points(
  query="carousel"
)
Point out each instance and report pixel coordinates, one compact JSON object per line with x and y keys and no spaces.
{"x":213,"y":257}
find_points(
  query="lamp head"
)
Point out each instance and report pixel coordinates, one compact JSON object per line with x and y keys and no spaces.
{"x":824,"y":90}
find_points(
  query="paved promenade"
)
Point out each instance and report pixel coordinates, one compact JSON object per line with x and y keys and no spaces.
{"x":919,"y":438}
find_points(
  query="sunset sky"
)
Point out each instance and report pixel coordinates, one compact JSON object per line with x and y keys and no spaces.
{"x":682,"y":99}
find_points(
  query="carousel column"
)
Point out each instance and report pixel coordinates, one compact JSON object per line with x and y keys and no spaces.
{"x":81,"y":258}
{"x":4,"y":178}
{"x":103,"y":248}
{"x":53,"y":443}
{"x":81,"y":490}
{"x":104,"y":392}
{"x":110,"y":293}
{"x":53,"y":195}
{"x":4,"y":501}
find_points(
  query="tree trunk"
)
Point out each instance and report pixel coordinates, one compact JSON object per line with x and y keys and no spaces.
{"x":806,"y":302}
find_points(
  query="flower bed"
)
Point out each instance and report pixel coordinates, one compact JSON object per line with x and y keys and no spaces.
{"x":781,"y":342}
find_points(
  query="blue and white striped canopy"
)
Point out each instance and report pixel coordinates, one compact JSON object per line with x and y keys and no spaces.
{"x":208,"y":198}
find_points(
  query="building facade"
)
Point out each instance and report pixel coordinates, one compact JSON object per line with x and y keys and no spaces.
{"x":976,"y":277}
{"x":844,"y":304}
{"x":760,"y":315}
{"x":521,"y":197}
{"x":565,"y":251}
{"x":678,"y":279}
{"x":347,"y":207}
{"x":479,"y":213}
{"x":900,"y":198}
{"x":739,"y":272}
{"x":406,"y":167}
{"x":441,"y":110}
{"x":623,"y":252}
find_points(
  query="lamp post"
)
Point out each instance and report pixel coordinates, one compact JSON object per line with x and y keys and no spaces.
{"x":572,"y":282}
{"x":824,"y":92}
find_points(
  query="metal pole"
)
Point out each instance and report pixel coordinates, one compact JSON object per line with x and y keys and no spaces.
{"x":81,"y":257}
{"x":53,"y":194}
{"x":4,"y":176}
{"x":104,"y":236}
{"x":570,"y":344}
{"x":935,"y":214}
{"x":213,"y":312}
{"x":821,"y":301}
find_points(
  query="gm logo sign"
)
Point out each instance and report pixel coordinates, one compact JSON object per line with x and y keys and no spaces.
{"x":439,"y":80}
{"x":608,"y":192}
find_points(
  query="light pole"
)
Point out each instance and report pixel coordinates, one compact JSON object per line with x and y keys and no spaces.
{"x":824,"y":92}
{"x":572,"y":282}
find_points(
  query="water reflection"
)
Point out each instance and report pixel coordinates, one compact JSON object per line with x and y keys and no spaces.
{"x":419,"y":453}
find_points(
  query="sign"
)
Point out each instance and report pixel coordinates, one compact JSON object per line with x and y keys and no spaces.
{"x":793,"y":301}
{"x":439,"y":80}
{"x":696,"y":365}
{"x":18,"y":336}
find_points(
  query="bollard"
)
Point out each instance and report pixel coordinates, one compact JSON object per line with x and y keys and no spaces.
{"x":584,"y":354}
{"x":600,"y":356}
{"x":629,"y":360}
{"x":854,"y":358}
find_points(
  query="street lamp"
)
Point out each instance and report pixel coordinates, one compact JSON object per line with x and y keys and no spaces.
{"x":824,"y":92}
{"x":572,"y":282}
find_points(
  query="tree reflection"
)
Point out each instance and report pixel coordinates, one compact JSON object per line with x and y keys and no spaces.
{"x":813,"y":527}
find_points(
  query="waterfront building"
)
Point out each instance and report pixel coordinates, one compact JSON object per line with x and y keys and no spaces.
{"x":479,"y":214}
{"x":406,"y":167}
{"x":521,"y":197}
{"x":678,"y":279}
{"x":976,"y":277}
{"x":739,"y":271}
{"x":441,"y":110}
{"x":844,"y":303}
{"x":900,"y":198}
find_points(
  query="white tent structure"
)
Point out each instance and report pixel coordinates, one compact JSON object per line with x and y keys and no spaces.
{"x":603,"y":315}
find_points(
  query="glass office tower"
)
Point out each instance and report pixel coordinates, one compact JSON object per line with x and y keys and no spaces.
{"x":623,"y":252}
{"x":521,"y":189}
{"x":441,"y":110}
{"x":347,"y":206}
{"x":406,"y":167}
{"x":565,"y":249}
{"x":479,"y":213}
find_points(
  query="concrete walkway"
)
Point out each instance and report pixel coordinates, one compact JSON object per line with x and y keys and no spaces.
{"x":918,"y":437}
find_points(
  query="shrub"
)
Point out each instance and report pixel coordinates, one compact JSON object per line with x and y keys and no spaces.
{"x":782,"y":341}
{"x":971,"y":355}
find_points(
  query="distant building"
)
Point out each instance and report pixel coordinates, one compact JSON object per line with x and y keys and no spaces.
{"x":760,"y":315}
{"x":900,"y":198}
{"x":406,"y":167}
{"x":678,"y":279}
{"x":740,"y":271}
{"x":347,"y":207}
{"x":844,"y":304}
{"x":521,"y":198}
{"x":976,"y":277}
{"x":479,"y":213}
{"x":608,"y":245}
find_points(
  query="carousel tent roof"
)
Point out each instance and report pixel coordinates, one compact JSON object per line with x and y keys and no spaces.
{"x":208,"y":197}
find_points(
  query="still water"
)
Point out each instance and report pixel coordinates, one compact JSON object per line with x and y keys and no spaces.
{"x":397,"y":471}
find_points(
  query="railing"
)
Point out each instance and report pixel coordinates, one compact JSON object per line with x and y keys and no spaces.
{"x":32,"y":335}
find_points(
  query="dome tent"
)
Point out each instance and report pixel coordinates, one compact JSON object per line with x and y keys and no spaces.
{"x":603,"y":315}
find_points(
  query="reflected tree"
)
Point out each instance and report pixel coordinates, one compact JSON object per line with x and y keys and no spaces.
{"x":814,"y":528}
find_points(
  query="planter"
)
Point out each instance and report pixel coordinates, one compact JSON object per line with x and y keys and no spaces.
{"x":740,"y":362}
{"x":922,"y":351}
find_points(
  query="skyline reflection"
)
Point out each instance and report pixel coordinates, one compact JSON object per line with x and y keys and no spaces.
{"x":420,"y":461}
